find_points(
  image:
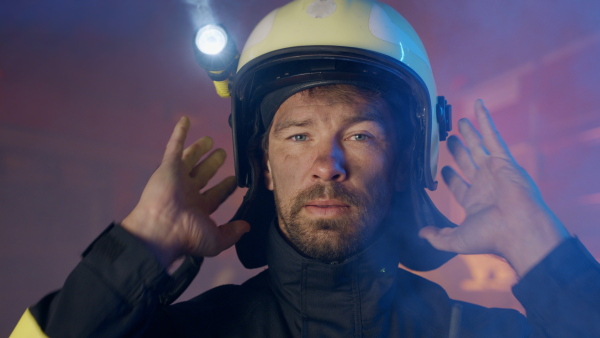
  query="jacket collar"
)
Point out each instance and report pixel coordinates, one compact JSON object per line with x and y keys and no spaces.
{"x":358,"y":291}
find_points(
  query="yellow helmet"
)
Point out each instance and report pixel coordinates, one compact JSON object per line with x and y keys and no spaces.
{"x":309,"y":43}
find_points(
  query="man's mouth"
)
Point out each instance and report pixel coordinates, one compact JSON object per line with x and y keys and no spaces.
{"x":326,"y":208}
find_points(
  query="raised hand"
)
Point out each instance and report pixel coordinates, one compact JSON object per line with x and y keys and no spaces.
{"x":173,"y":216}
{"x":505,"y":213}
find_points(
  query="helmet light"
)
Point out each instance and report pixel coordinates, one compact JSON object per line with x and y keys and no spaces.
{"x":216,"y":52}
{"x":211,"y":39}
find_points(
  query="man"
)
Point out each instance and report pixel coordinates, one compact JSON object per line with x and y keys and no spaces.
{"x":336,"y":144}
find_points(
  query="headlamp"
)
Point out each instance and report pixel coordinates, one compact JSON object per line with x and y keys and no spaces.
{"x":211,"y":39}
{"x":216,"y":52}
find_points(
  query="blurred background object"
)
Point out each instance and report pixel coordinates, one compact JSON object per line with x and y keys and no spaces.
{"x":90,"y":91}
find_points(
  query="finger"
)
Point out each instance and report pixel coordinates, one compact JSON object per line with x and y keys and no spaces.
{"x":462,"y":156}
{"x":455,"y":183}
{"x":445,"y":239}
{"x":206,"y":169}
{"x":174,"y":147}
{"x":491,"y":138}
{"x":193,"y":153}
{"x":216,"y":195}
{"x":473,"y":141}
{"x":229,"y":234}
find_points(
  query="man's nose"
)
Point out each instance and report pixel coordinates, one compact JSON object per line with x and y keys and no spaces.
{"x":330,"y":163}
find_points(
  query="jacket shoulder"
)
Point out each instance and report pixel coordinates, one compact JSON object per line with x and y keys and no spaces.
{"x":214,"y":310}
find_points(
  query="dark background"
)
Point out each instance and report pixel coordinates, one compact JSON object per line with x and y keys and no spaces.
{"x":90,"y":90}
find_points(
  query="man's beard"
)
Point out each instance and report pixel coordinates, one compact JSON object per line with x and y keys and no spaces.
{"x":333,"y":240}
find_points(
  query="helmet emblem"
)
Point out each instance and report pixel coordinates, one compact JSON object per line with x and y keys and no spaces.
{"x":319,"y":9}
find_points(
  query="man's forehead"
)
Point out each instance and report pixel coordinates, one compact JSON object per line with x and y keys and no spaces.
{"x":332,"y":95}
{"x":349,"y":103}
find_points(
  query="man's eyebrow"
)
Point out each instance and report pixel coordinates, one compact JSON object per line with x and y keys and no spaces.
{"x":366,"y":116}
{"x":291,"y":123}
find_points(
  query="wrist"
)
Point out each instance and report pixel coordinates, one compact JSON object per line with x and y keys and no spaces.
{"x":154,"y":236}
{"x":528,"y":250}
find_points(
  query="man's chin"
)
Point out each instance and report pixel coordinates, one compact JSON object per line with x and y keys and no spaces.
{"x":324,"y":248}
{"x":324,"y":240}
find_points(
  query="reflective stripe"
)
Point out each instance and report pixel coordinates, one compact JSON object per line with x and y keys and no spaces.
{"x":27,"y":327}
{"x":261,"y":32}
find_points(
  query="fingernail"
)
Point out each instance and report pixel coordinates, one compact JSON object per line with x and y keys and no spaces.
{"x":247,"y":228}
{"x":222,"y":153}
{"x":482,"y":104}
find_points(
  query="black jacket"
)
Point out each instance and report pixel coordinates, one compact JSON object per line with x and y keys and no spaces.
{"x":113,"y":292}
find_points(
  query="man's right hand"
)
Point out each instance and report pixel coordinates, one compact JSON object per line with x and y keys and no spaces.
{"x":173,"y":216}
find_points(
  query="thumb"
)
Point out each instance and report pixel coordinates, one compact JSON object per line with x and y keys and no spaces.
{"x":231,"y":232}
{"x":445,"y":239}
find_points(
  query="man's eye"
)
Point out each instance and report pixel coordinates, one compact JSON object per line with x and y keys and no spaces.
{"x":359,"y":137}
{"x":299,"y":137}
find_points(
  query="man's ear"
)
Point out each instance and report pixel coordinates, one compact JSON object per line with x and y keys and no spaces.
{"x":267,"y":173}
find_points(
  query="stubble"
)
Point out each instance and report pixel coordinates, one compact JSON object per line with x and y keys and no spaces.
{"x":332,"y":239}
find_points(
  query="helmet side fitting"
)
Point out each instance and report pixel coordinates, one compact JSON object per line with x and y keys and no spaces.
{"x":363,"y":43}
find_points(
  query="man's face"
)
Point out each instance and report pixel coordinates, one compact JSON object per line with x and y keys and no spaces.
{"x":330,"y":165}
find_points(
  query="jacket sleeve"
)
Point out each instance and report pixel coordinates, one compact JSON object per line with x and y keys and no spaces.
{"x":561,"y":294}
{"x":112,"y":292}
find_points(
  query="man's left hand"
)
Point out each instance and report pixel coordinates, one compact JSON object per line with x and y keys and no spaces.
{"x":505,"y":213}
